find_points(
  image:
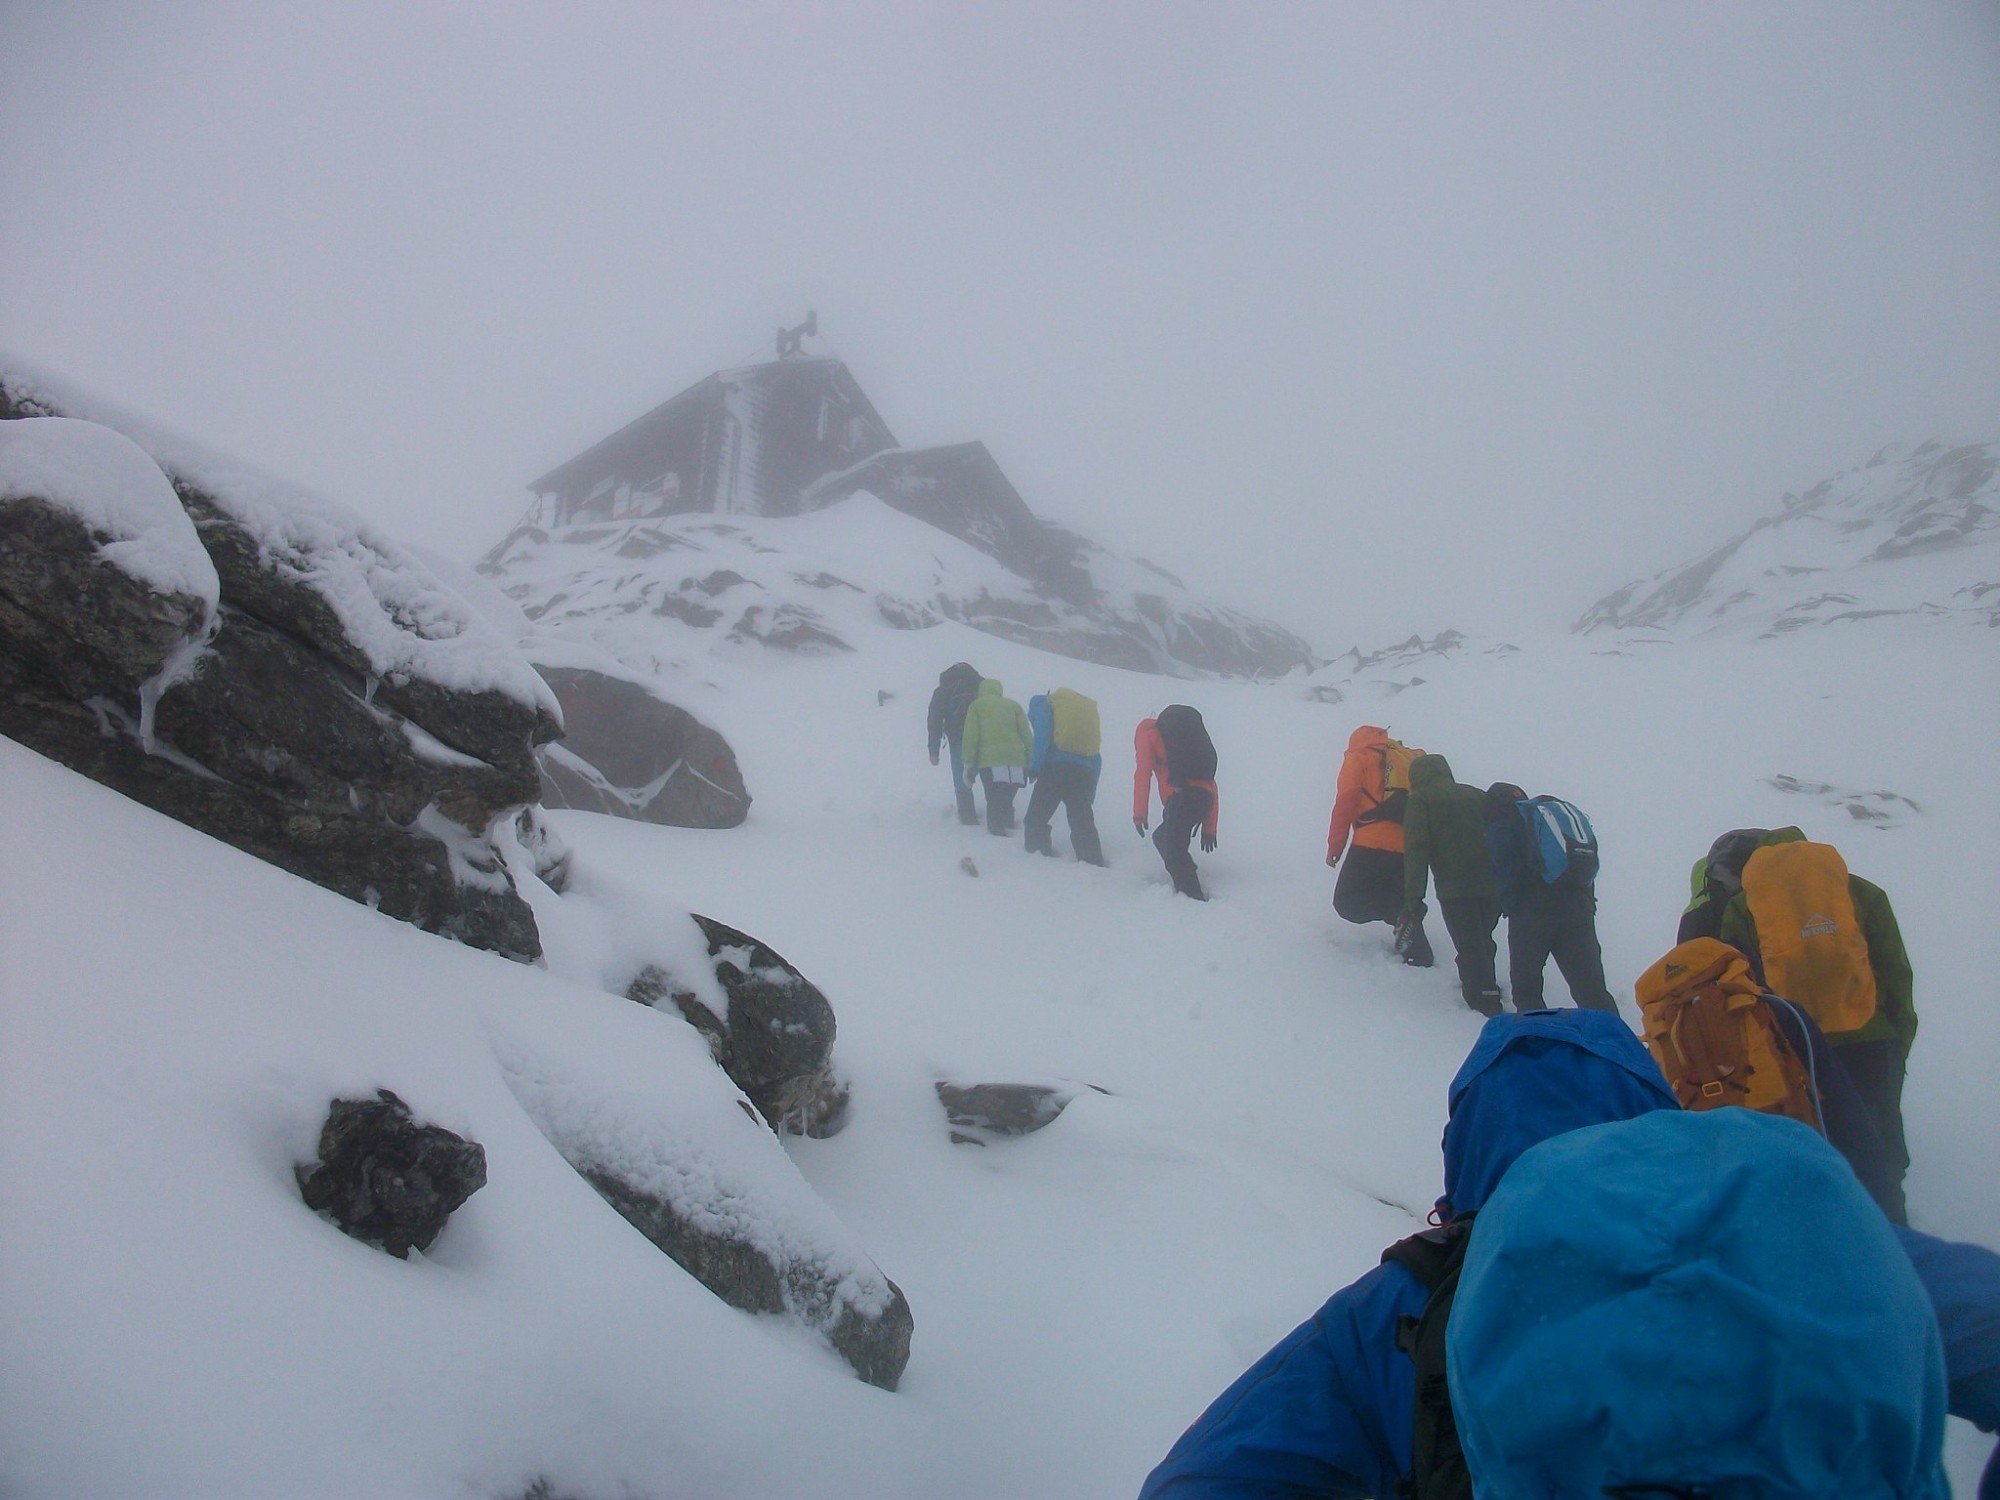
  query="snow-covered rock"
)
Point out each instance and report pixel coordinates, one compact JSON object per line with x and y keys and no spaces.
{"x":260,"y":664}
{"x":661,"y":592}
{"x":1911,"y":533}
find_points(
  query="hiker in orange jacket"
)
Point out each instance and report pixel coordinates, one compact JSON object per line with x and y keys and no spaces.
{"x":1370,"y":816}
{"x":1175,"y":752}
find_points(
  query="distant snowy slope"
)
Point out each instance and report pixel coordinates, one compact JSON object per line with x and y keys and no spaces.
{"x":1911,"y":533}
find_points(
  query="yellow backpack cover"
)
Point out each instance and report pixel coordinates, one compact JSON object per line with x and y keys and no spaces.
{"x":1397,"y":758}
{"x":1073,"y":725}
{"x":1808,"y":933}
{"x":1712,"y":1031}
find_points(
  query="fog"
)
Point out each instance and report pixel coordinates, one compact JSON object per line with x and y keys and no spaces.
{"x":1375,"y":319}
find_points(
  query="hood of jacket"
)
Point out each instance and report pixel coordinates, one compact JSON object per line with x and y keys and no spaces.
{"x":1367,"y":735}
{"x":1533,"y":1076}
{"x":960,"y":674}
{"x":1428,"y":771}
{"x":989,"y":687}
{"x":1666,"y":1276}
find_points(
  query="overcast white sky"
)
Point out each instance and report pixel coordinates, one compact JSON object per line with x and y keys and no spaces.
{"x":1375,"y":317}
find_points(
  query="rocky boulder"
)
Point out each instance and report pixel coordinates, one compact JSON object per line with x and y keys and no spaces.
{"x":627,"y":752}
{"x":979,"y":1112}
{"x":385,"y":1178}
{"x":262,"y":666}
{"x":772,"y":1034}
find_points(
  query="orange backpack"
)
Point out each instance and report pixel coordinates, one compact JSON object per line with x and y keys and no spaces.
{"x":1808,"y":933}
{"x":1711,"y":1028}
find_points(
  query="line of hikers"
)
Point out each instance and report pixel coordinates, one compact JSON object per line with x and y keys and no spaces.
{"x":1056,"y":743}
{"x":1789,"y":987}
{"x":1670,"y":1268}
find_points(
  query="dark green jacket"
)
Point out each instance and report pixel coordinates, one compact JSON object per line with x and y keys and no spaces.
{"x":1895,"y":999}
{"x":1444,"y":836}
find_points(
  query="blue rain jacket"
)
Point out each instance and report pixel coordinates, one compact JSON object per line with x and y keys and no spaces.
{"x":1328,"y":1412}
{"x":1042,"y":720}
{"x":1805,"y":1358}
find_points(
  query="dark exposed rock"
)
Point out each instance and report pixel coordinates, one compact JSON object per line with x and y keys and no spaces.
{"x":787,"y":627}
{"x":777,"y":1041}
{"x":980,"y":1111}
{"x":91,"y":626}
{"x":634,"y":755}
{"x":875,"y":1342}
{"x":387,"y":1179}
{"x":261,"y":724}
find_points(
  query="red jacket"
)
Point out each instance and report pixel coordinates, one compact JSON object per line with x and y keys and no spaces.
{"x":1150,"y":752}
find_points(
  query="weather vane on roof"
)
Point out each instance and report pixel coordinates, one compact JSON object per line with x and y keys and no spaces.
{"x":789,"y":338}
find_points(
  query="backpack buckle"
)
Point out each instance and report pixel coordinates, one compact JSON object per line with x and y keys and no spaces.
{"x":1712,"y":1089}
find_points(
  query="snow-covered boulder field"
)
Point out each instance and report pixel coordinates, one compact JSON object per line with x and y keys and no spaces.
{"x":262,"y":665}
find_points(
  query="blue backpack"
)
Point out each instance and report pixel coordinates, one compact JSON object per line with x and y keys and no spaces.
{"x":1564,"y":844}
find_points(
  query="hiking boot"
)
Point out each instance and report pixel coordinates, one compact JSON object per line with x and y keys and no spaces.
{"x":1486,"y":1002}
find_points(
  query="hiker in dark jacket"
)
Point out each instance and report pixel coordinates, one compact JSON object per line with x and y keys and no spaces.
{"x":1544,"y":919}
{"x":1717,"y":877}
{"x":1875,"y":1053}
{"x":957,"y":686}
{"x":1330,"y":1411}
{"x":1444,"y":840}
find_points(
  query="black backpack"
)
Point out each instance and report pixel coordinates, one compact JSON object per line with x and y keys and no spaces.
{"x":1437,"y":1464}
{"x":1190,"y":752}
{"x":958,"y":686}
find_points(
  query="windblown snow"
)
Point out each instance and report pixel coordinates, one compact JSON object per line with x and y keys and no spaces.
{"x":1258,"y":1088}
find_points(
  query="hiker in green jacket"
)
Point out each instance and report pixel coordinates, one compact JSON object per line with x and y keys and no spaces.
{"x":1444,"y":839}
{"x":996,"y":748}
{"x":1758,"y":919}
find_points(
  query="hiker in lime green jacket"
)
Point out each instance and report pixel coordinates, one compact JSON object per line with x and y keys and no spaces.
{"x":1855,"y":912}
{"x":995,"y":749}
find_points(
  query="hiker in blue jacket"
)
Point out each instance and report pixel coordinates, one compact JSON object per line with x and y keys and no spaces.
{"x":1544,"y":920}
{"x":1330,"y":1412}
{"x":1063,"y":778}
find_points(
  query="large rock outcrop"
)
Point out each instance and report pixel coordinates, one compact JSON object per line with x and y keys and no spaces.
{"x":627,"y":752}
{"x":319,"y":701}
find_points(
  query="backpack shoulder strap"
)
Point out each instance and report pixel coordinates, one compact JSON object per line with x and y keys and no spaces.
{"x":1434,"y":1257}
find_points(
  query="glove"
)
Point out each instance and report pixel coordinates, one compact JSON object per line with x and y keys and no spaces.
{"x":1207,"y":843}
{"x":972,"y":778}
{"x":1332,"y":858}
{"x":934,"y":758}
{"x":1140,"y":824}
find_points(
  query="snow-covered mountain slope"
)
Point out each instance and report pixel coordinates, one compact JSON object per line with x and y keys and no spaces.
{"x":173,"y":1016}
{"x":1910,"y":533}
{"x":809,"y":584}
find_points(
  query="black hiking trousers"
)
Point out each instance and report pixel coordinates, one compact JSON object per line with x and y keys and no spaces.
{"x":1370,"y":885}
{"x":1470,"y":920}
{"x":1560,"y":922}
{"x":1178,"y":820}
{"x":999,"y":803}
{"x":1876,"y":1069}
{"x":1071,"y":787}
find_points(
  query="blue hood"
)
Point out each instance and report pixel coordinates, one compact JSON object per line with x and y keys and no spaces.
{"x":1694,"y":1299}
{"x":1533,"y":1076}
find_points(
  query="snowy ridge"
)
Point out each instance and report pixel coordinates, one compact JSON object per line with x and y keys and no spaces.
{"x":662,"y":593}
{"x":1912,"y":533}
{"x":390,"y":606}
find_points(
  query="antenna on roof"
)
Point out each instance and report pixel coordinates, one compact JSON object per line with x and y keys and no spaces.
{"x":789,"y":338}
